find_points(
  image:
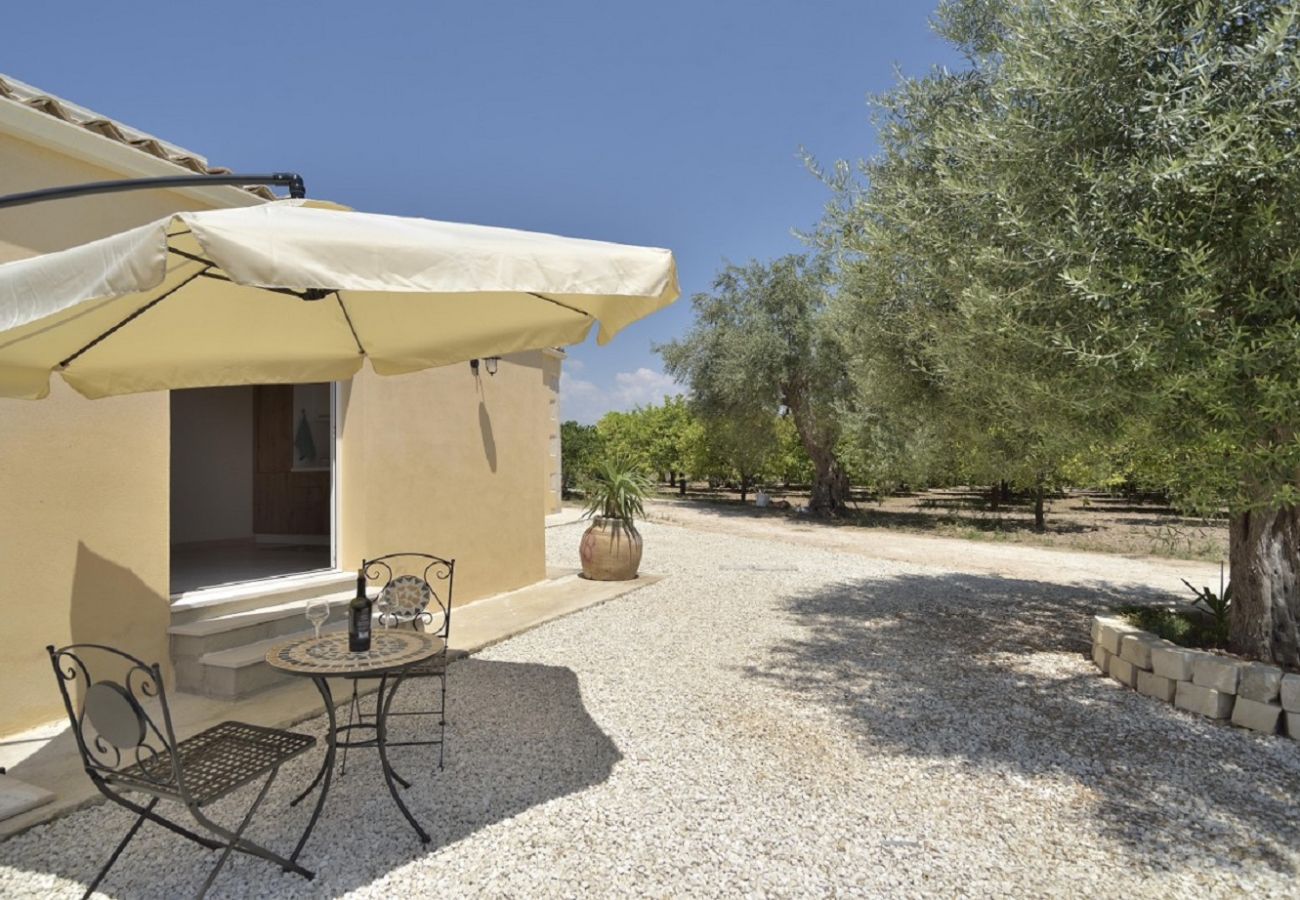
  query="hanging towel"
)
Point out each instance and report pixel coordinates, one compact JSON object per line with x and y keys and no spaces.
{"x":303,"y":442}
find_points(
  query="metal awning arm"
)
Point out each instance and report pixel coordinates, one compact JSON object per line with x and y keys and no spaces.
{"x":292,"y":180}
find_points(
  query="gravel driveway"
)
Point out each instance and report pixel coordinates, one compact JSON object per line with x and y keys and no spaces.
{"x":774,"y":719}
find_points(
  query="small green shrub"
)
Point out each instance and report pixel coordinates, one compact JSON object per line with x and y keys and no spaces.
{"x":1170,"y":624}
{"x":1202,"y":623}
{"x":616,"y":489}
{"x":1217,"y":606}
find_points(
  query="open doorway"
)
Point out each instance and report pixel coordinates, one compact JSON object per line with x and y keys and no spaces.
{"x":252,"y":474}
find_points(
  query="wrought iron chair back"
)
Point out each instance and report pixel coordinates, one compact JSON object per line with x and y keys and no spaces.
{"x":116,"y":726}
{"x":123,"y":729}
{"x":416,"y":590}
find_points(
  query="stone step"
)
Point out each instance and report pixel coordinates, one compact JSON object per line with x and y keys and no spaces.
{"x":237,"y":672}
{"x":216,"y":602}
{"x":191,"y":640}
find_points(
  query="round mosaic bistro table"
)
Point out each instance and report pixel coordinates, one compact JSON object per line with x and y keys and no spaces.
{"x":391,"y":652}
{"x":329,"y":656}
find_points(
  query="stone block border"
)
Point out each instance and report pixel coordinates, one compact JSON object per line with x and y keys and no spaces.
{"x":1248,"y":694}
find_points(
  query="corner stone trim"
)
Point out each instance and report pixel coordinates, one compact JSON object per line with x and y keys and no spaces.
{"x":1250,"y":695}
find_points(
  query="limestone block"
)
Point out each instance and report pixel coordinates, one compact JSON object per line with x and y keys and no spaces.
{"x":1203,"y":701}
{"x":1122,"y":671}
{"x":1156,"y":686}
{"x":1293,"y":725}
{"x":1136,"y":648}
{"x":1110,"y":633}
{"x":1095,"y":628}
{"x":1255,"y":715}
{"x":1172,"y":662}
{"x":1259,"y":682}
{"x":1101,"y":658}
{"x":1290,"y":693}
{"x":1217,"y":672}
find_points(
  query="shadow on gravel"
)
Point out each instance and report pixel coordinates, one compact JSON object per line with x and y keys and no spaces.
{"x":518,"y":736}
{"x":992,"y":673}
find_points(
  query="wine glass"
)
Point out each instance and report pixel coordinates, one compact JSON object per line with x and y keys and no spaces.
{"x":317,"y":612}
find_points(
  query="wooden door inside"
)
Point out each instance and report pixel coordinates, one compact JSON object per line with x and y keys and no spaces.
{"x":288,"y":499}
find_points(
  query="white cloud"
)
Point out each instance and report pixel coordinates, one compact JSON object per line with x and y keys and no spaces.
{"x":587,"y":401}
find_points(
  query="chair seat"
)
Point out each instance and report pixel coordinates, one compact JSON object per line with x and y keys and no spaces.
{"x":217,"y":761}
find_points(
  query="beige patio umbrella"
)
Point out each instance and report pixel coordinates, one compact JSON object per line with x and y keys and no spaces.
{"x":302,"y":291}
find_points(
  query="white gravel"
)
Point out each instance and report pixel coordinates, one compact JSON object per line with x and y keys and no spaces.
{"x":772,"y":719}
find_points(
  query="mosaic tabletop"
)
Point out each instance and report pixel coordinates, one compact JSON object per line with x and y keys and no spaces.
{"x":329,"y":654}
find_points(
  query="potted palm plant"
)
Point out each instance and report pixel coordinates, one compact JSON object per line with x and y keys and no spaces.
{"x":611,"y":547}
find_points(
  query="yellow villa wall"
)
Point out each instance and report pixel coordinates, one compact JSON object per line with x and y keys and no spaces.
{"x":83,"y":484}
{"x":440,"y":462}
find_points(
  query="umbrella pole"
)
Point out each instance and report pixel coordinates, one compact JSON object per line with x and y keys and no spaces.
{"x":292,"y":180}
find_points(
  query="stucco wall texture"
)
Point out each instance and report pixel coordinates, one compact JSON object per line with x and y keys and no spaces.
{"x":438,"y":461}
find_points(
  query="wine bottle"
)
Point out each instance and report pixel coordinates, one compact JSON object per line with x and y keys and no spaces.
{"x":359,"y":617}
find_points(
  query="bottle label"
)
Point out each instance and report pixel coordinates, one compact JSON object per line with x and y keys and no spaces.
{"x":359,"y":629}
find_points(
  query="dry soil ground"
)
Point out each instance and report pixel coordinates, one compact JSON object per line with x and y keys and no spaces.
{"x":1106,"y":523}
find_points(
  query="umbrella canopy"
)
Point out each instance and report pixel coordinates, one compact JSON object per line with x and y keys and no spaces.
{"x":301,"y":291}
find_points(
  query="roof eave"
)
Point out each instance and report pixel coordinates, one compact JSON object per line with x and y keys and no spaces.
{"x":73,"y":140}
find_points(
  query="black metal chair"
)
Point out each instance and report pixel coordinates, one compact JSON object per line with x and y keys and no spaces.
{"x":416,"y":592}
{"x":124,"y":750}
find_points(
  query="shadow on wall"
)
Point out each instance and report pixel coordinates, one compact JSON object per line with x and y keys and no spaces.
{"x":112,"y":605}
{"x":986,"y":672}
{"x":518,"y":737}
{"x":489,"y":439}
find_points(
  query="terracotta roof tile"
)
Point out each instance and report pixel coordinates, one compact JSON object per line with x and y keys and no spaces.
{"x":13,"y":89}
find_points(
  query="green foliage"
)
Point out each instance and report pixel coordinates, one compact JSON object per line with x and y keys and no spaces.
{"x":668,"y":434}
{"x":764,"y":343}
{"x":580,"y":447}
{"x":735,"y":447}
{"x":1201,"y":623}
{"x":615,"y":489}
{"x":1085,"y":239}
{"x":1187,"y":628}
{"x":656,"y":438}
{"x":789,"y":462}
{"x":1217,"y":606}
{"x":625,"y":436}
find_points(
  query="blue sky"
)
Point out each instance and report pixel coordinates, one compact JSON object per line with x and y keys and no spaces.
{"x":673,"y":124}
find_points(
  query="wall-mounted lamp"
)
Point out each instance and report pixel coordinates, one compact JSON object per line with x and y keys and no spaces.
{"x":490,"y":363}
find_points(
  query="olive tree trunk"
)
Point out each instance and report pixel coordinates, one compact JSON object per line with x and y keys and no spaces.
{"x":830,"y":487}
{"x":1264,"y":553}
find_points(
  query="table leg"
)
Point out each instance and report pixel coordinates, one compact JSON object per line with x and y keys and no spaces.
{"x":327,"y":768}
{"x":381,"y":741}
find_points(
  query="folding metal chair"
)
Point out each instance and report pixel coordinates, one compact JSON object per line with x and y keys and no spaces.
{"x":416,"y":592}
{"x":124,"y":750}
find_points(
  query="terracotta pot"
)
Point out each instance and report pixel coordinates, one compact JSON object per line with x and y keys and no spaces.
{"x":610,"y":550}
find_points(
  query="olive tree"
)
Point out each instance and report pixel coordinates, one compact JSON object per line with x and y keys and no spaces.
{"x":763,"y":343}
{"x":1114,"y":195}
